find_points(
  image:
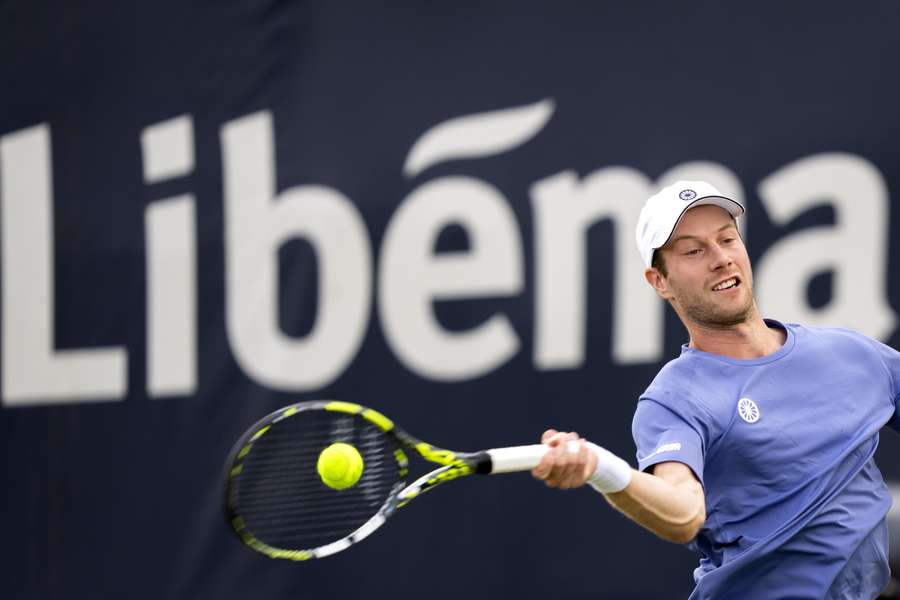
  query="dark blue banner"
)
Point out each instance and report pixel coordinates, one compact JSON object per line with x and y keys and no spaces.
{"x":209,"y":211}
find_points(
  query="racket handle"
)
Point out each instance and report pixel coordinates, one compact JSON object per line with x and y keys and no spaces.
{"x":520,"y":458}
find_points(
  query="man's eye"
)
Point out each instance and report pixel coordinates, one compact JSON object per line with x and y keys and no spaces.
{"x":728,"y":240}
{"x":693,"y":252}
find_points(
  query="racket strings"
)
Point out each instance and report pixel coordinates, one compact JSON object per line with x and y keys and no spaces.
{"x":251,"y":497}
{"x":314,"y":483}
{"x":280,"y":495}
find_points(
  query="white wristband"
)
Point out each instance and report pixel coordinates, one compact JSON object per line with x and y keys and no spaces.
{"x":612,"y":473}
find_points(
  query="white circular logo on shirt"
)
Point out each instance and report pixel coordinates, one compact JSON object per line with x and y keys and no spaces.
{"x":748,"y":410}
{"x":687,"y":195}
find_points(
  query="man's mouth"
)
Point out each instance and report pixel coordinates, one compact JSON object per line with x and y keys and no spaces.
{"x":727,"y":284}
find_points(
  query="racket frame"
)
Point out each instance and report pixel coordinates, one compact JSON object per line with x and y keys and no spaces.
{"x":452,"y":466}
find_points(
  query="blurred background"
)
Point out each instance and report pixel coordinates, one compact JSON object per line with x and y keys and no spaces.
{"x":211,"y":210}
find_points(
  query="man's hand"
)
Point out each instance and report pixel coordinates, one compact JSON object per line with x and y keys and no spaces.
{"x":561,"y":467}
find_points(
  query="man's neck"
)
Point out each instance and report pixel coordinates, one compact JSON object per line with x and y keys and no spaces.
{"x":748,"y":340}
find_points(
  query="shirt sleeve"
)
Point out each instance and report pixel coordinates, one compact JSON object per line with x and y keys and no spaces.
{"x":662,"y":435}
{"x":891,"y":360}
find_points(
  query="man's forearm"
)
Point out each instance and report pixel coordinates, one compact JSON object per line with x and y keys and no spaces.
{"x":670,"y":502}
{"x":674,"y":511}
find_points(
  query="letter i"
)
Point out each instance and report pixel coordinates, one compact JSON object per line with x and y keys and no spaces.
{"x":171,"y":251}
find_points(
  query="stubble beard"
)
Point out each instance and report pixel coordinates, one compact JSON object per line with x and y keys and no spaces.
{"x":709,"y":314}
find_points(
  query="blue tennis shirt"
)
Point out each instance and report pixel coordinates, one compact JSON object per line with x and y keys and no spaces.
{"x":783,"y":445}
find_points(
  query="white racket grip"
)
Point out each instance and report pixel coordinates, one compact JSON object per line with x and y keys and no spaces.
{"x":611,"y":475}
{"x":521,"y":458}
{"x":516,"y":458}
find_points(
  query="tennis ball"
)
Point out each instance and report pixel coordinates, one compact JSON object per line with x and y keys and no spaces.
{"x":340,"y":466}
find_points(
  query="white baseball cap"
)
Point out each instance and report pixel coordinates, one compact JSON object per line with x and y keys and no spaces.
{"x":663,"y":211}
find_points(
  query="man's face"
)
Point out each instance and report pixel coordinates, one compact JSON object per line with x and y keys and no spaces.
{"x":709,"y":277}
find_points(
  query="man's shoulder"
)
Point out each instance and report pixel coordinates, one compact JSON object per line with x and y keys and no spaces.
{"x":831,"y":335}
{"x":843,"y":344}
{"x":674,"y":372}
{"x":682,"y":379}
{"x":821,"y":330}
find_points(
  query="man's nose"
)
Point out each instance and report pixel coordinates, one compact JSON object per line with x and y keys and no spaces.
{"x":720,"y":258}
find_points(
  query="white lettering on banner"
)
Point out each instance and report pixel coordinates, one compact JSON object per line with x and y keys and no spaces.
{"x":564,"y":209}
{"x":167,"y":149}
{"x":854,"y":249}
{"x":169,"y":230}
{"x":34,"y":373}
{"x":411,"y":274}
{"x":412,"y":277}
{"x":170,"y":235}
{"x":257,"y":223}
{"x":476,"y":136}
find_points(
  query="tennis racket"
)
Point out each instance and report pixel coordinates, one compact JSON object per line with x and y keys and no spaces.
{"x":278,"y":504}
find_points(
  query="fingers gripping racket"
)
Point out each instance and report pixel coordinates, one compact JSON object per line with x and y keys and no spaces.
{"x":278,"y":495}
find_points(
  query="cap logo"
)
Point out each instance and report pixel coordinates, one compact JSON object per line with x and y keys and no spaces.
{"x":687,"y":195}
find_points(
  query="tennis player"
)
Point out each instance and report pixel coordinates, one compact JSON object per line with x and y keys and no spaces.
{"x":755,"y":446}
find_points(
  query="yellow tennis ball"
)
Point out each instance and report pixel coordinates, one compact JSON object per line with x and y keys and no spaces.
{"x":340,"y":466}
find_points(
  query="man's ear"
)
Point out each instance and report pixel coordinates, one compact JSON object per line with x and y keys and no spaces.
{"x":658,"y":282}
